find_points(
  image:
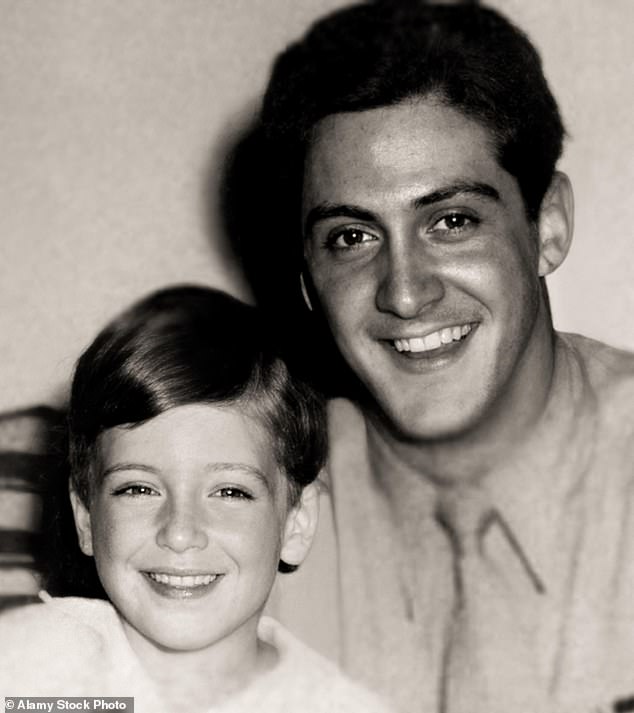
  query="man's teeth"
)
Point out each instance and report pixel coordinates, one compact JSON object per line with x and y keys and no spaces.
{"x":185,"y":582}
{"x":433,"y":340}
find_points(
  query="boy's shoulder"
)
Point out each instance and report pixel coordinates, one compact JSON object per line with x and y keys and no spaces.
{"x":52,"y":646}
{"x":305,"y":680}
{"x":62,"y":616}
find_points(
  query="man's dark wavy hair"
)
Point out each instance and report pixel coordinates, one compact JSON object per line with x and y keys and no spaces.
{"x":378,"y":54}
{"x":362,"y":57}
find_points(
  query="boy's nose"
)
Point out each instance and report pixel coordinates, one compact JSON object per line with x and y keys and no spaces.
{"x":181,"y":529}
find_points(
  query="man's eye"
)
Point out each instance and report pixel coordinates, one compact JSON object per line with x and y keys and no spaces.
{"x":136,"y":490}
{"x":348,"y":238}
{"x":454,"y":222}
{"x":232,"y":493}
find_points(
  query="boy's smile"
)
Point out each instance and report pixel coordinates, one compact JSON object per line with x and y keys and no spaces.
{"x":183,"y":584}
{"x":187,"y":526}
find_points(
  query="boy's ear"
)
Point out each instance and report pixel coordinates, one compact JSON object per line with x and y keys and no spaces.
{"x":301,"y":525}
{"x":82,"y":522}
{"x":555,"y":224}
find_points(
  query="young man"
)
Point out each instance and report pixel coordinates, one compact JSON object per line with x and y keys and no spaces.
{"x":477,"y":547}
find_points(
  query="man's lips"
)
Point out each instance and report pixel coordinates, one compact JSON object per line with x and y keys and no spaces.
{"x":432,"y":341}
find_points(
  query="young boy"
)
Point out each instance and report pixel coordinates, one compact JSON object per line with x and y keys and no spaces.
{"x":193,"y":457}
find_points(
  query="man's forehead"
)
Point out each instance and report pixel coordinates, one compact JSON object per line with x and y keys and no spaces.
{"x":414,"y":141}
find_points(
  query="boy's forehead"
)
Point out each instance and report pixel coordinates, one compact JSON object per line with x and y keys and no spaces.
{"x":192,"y":438}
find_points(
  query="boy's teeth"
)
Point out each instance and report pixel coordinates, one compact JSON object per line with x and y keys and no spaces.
{"x":185,"y":582}
{"x":447,"y":335}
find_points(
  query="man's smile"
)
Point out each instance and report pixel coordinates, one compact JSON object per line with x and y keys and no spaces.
{"x":433,"y":340}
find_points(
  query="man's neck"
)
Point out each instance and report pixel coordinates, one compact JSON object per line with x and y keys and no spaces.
{"x":469,"y":456}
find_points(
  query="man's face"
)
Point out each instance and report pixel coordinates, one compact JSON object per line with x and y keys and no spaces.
{"x":424,"y":263}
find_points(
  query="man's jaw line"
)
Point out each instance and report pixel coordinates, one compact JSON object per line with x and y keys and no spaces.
{"x":467,"y":453}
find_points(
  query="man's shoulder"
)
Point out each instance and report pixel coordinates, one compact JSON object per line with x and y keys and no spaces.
{"x":608,"y":370}
{"x":347,"y":441}
{"x":607,"y":374}
{"x":344,"y":412}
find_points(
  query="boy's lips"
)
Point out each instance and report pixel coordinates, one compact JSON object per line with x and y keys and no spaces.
{"x":182,"y":586}
{"x":183,"y":581}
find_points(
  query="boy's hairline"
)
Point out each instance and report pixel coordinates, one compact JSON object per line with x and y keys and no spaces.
{"x":92,"y":480}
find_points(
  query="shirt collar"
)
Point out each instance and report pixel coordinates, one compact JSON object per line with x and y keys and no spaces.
{"x":534,"y":488}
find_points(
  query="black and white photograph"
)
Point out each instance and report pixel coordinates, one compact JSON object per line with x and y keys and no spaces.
{"x":317,"y":356}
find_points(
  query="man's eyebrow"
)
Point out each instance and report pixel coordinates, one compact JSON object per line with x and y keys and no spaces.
{"x":324,"y":211}
{"x":483,"y":190}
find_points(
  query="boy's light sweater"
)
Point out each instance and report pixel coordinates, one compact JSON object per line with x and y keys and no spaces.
{"x":77,"y":647}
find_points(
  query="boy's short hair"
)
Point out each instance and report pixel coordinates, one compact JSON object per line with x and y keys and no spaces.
{"x":184,"y":345}
{"x":381,"y":53}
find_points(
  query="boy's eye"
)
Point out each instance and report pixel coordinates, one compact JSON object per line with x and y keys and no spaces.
{"x":136,"y":490}
{"x":232,"y":493}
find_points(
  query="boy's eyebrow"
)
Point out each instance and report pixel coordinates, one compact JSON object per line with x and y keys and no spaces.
{"x":212,"y":467}
{"x":118,"y":467}
{"x":243,"y":467}
{"x":324,"y":211}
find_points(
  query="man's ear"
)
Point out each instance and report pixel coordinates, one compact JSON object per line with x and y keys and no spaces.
{"x":305,"y":294}
{"x":555,"y":224}
{"x":301,"y":525}
{"x":82,"y":522}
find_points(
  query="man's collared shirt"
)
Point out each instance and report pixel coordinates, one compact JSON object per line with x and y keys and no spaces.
{"x":376,"y":592}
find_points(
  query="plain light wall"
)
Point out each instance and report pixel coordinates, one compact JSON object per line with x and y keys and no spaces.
{"x":113,"y":116}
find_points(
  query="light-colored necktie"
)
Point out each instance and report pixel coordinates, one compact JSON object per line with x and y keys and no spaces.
{"x":489,"y":665}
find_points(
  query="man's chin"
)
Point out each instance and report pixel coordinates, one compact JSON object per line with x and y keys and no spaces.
{"x":429,"y":425}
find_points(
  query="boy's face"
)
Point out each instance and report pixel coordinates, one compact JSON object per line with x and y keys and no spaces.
{"x":422,"y":258}
{"x":188,"y":525}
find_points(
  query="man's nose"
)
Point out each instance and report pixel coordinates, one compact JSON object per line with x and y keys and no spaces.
{"x":182,"y":527}
{"x":409,"y":282}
